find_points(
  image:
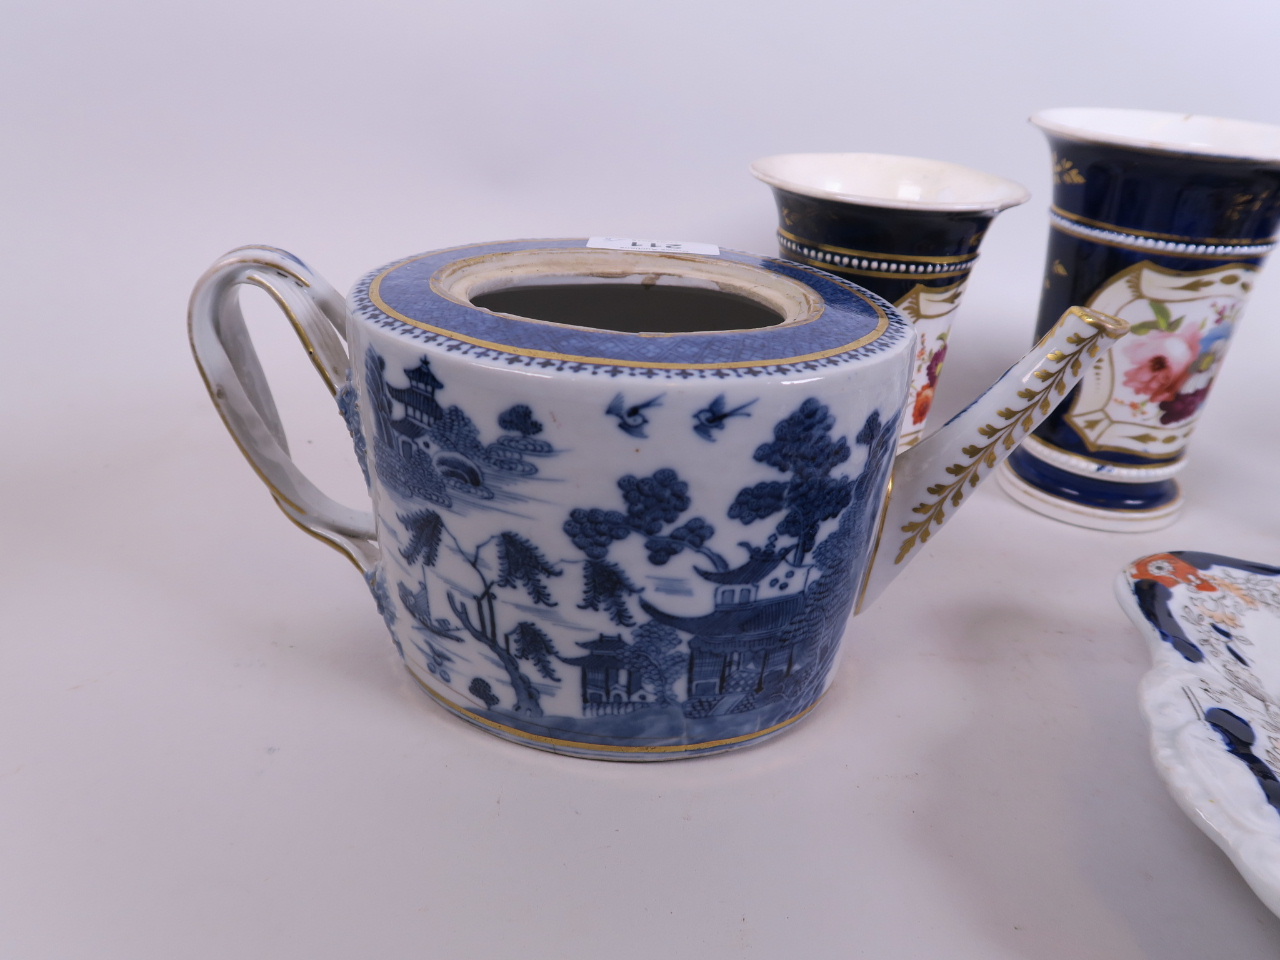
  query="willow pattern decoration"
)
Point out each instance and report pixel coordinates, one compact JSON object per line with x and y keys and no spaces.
{"x":1017,"y":423}
{"x":560,"y":581}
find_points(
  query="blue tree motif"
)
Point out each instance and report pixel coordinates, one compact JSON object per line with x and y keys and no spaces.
{"x":481,"y":690}
{"x":652,"y":503}
{"x":519,"y":564}
{"x":820,"y":626}
{"x":455,"y":431}
{"x":521,"y":438}
{"x":605,"y":584}
{"x":802,"y":446}
{"x":592,"y":531}
{"x":519,"y":419}
{"x":532,"y":644}
{"x":692,"y":535}
{"x":426,"y":530}
{"x":654,"y":655}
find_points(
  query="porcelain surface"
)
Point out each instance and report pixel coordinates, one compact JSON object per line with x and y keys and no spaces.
{"x":886,"y":180}
{"x":623,"y":499}
{"x":1212,"y":698}
{"x":1164,"y":220}
{"x":1164,"y":132}
{"x":906,"y":228}
{"x":570,"y":567}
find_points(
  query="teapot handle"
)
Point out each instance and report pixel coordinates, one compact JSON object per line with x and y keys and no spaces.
{"x":238,"y":386}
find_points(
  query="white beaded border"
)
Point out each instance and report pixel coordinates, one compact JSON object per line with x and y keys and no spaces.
{"x":883,"y":266}
{"x":1085,"y":467}
{"x":1173,"y":247}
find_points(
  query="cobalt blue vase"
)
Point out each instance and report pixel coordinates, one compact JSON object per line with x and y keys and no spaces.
{"x":905,"y":228}
{"x":1163,"y":220}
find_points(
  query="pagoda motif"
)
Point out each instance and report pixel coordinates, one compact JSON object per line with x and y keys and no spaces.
{"x":609,"y":685}
{"x":419,"y":398}
{"x":425,"y":451}
{"x":739,"y":651}
{"x":404,"y":434}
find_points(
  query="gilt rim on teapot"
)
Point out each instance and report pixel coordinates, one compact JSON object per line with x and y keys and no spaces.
{"x":412,"y":296}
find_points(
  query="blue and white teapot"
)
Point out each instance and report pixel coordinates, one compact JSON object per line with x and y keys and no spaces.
{"x":624,"y":495}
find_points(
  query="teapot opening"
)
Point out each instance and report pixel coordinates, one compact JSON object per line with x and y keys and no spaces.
{"x":631,"y":307}
{"x":628,"y":292}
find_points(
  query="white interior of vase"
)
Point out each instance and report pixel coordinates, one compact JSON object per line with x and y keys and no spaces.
{"x":883,"y":180}
{"x":1167,"y":132}
{"x":627,"y":292}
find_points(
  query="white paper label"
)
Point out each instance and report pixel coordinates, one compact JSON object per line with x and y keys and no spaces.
{"x":654,"y":246}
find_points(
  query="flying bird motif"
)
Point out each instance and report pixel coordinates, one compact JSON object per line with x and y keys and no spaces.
{"x":713,"y":416}
{"x":632,"y":420}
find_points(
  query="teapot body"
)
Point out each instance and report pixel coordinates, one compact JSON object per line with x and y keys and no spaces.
{"x":621,"y":543}
{"x":624,"y":495}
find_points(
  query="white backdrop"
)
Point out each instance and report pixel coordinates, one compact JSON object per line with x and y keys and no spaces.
{"x":207,"y":748}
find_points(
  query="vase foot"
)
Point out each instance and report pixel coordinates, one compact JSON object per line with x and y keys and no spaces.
{"x":1080,"y":515}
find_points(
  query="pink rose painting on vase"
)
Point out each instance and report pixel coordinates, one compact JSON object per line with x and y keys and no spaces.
{"x":1161,"y":362}
{"x":1171,"y":364}
{"x":1144,"y":398}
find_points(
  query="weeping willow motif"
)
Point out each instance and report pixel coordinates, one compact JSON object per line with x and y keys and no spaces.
{"x":477,"y":604}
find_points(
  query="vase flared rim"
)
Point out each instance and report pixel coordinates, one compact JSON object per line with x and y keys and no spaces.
{"x":893,"y":182}
{"x":1164,"y":132}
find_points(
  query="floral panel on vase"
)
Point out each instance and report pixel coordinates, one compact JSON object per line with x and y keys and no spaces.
{"x":1144,"y":398}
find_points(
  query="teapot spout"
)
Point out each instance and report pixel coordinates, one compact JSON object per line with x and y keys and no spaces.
{"x":930,"y":480}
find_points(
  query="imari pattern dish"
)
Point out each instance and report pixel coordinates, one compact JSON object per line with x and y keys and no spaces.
{"x":1163,"y":220}
{"x":624,"y":494}
{"x":1212,"y":698}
